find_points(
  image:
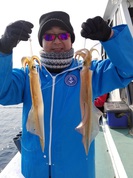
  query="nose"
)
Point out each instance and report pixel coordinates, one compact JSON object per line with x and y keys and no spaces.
{"x":57,"y":40}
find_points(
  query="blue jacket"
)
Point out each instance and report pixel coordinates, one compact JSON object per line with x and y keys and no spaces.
{"x":64,"y":150}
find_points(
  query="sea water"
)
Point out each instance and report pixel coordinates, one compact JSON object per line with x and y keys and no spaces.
{"x":10,"y":126}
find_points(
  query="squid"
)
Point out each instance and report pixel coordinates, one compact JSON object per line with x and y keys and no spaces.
{"x":35,"y":121}
{"x":85,"y":127}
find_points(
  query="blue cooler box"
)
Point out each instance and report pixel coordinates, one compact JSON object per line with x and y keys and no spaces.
{"x":118,"y":114}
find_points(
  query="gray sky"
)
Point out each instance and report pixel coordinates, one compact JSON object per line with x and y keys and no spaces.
{"x":31,"y":10}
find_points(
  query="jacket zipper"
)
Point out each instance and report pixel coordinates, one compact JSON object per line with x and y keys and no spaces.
{"x":51,"y":115}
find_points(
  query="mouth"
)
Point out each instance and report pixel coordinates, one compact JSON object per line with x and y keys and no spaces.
{"x":58,"y":49}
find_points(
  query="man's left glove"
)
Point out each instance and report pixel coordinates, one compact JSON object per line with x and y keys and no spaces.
{"x":14,"y":33}
{"x":96,"y":29}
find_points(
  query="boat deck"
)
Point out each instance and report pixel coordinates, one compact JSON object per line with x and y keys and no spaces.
{"x":104,"y":167}
{"x":114,"y":155}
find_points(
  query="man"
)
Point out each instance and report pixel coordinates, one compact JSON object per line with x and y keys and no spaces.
{"x":64,"y":155}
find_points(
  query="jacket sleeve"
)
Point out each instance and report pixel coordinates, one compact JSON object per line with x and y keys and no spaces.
{"x":120,"y":51}
{"x":11,"y":81}
{"x":117,"y":70}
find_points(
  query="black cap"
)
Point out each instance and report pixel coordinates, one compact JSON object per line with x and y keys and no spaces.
{"x":55,"y":18}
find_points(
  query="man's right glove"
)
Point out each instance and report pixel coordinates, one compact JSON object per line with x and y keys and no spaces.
{"x":14,"y":33}
{"x":96,"y":29}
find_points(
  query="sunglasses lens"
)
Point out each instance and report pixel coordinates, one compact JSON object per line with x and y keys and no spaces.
{"x":63,"y":36}
{"x":49,"y":37}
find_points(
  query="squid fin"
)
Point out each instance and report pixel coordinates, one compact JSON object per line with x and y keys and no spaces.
{"x":30,"y":125}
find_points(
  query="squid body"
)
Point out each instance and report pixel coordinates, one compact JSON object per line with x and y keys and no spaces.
{"x":85,"y":127}
{"x":35,"y":121}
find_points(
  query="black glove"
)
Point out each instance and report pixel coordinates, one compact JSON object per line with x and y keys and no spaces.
{"x":14,"y":33}
{"x":96,"y":29}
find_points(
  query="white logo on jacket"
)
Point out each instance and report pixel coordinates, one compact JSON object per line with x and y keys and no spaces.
{"x":71,"y":80}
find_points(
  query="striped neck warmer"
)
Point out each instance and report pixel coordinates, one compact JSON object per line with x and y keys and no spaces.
{"x":53,"y":61}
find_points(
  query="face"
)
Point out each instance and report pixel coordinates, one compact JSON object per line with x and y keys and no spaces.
{"x":56,"y":45}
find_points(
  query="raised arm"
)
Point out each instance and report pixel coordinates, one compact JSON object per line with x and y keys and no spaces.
{"x":11,"y":80}
{"x":117,"y":70}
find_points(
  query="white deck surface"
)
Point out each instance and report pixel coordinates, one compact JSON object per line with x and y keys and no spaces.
{"x":9,"y":172}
